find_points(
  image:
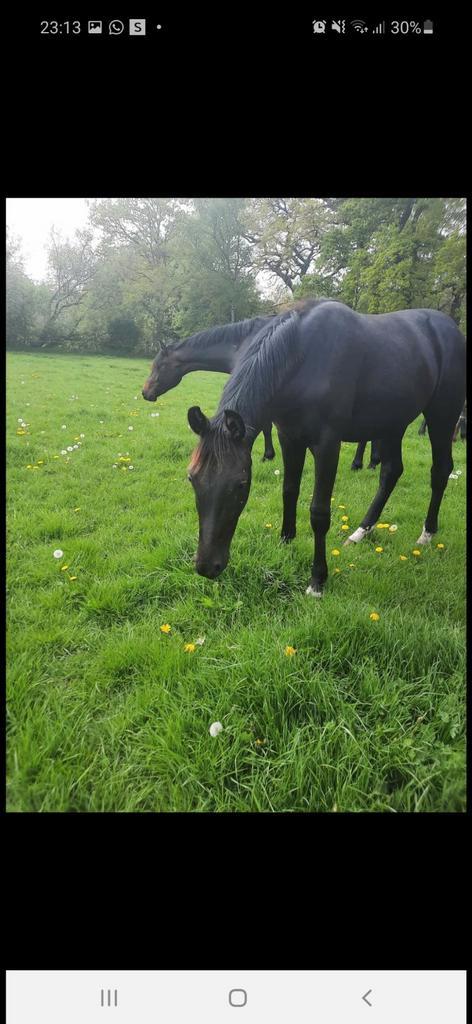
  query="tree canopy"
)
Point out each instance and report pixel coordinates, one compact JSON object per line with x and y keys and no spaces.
{"x":147,"y":271}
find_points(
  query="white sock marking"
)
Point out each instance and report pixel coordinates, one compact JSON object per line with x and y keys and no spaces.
{"x":425,"y":537}
{"x":358,"y":535}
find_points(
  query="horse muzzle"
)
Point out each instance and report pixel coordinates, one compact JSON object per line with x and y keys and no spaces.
{"x":211,"y":567}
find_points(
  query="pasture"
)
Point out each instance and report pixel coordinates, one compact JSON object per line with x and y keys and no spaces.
{"x":106,"y":712}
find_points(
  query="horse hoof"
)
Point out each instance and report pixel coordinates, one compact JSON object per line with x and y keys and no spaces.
{"x":357,"y":536}
{"x":356,"y":467}
{"x":312,"y":592}
{"x":287,"y":537}
{"x":425,"y":537}
{"x":268,"y":456}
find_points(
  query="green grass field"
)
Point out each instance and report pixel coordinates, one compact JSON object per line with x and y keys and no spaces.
{"x":108,"y":713}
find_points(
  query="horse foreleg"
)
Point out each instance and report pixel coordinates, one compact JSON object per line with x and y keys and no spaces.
{"x":293,"y":454}
{"x":374,"y":454}
{"x":357,"y":460}
{"x":269,"y":452}
{"x":326,"y":464}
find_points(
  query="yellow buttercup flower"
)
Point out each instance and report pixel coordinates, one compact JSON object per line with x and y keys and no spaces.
{"x":72,"y":577}
{"x":416,"y":552}
{"x":439,"y":545}
{"x":374,"y":616}
{"x":165,"y":628}
{"x":341,"y":506}
{"x":403,"y":558}
{"x":336,"y":570}
{"x":344,"y":519}
{"x":379,"y":549}
{"x":344,"y":527}
{"x":269,"y":526}
{"x":188,"y":647}
{"x":64,"y":567}
{"x":290,"y":650}
{"x":335,"y":551}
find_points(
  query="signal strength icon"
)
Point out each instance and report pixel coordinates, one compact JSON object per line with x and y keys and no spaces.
{"x":380,"y":29}
{"x":359,"y":26}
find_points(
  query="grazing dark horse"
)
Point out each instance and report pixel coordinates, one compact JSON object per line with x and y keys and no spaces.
{"x":216,"y":349}
{"x":374,"y":455}
{"x":324,"y":376}
{"x":460,"y":427}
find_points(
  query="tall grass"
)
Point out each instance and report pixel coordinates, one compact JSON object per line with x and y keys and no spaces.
{"x":108,"y":713}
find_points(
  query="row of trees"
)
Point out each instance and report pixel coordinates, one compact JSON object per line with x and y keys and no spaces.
{"x":152,"y":270}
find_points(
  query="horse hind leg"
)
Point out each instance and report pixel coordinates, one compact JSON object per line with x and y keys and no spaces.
{"x":391,"y":471}
{"x":440,"y":435}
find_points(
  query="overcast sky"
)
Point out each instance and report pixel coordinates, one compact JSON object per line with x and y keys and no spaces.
{"x":32,"y":220}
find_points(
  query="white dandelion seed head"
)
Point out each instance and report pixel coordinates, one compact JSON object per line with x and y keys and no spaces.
{"x":58,"y":553}
{"x":215,"y":728}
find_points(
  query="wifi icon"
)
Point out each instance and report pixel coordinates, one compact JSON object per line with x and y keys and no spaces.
{"x":359,"y":26}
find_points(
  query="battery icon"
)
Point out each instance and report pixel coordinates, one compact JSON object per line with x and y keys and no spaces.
{"x":428,"y":28}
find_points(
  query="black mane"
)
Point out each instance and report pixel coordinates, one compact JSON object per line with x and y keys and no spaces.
{"x":233,"y":333}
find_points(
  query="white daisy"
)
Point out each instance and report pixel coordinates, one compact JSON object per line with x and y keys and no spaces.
{"x":215,"y":728}
{"x":58,"y":553}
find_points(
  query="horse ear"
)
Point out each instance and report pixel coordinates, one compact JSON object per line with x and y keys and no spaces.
{"x":198,"y":420}
{"x":234,"y":425}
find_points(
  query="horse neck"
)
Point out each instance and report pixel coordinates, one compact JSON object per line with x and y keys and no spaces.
{"x":220,"y":357}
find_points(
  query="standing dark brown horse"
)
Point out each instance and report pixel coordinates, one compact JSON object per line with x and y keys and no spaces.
{"x":218,"y":349}
{"x":324,"y":376}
